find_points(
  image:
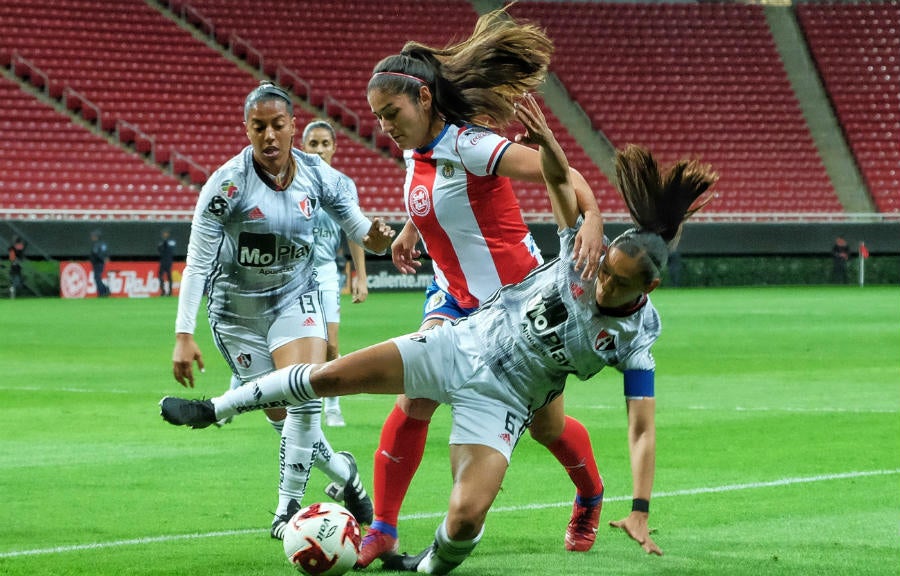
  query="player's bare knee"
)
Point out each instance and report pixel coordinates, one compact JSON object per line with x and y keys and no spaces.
{"x":331,"y":352}
{"x":465,"y":523}
{"x":418,"y":408}
{"x":545,"y":435}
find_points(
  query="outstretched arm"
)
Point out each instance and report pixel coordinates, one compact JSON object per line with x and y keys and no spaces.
{"x":554,"y":164}
{"x":642,"y":448}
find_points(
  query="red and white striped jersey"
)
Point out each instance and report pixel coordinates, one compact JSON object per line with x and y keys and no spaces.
{"x":467,"y":216}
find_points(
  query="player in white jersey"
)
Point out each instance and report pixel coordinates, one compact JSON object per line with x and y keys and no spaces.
{"x":513,"y":355}
{"x":251,"y":249}
{"x":461,"y":205}
{"x":319,"y":138}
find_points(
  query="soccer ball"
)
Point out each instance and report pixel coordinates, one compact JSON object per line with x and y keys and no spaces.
{"x":322,"y":540}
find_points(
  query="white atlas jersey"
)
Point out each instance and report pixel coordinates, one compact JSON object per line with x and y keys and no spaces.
{"x":534,"y":333}
{"x":251,"y":245}
{"x":328,"y":241}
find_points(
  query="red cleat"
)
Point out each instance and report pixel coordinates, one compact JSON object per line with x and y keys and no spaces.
{"x":375,"y":544}
{"x":582,"y":529}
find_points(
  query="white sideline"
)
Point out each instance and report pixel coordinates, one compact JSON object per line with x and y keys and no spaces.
{"x":687,"y":492}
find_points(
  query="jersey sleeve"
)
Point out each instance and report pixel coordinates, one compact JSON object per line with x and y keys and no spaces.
{"x":216,"y":202}
{"x":480,"y":150}
{"x":339,"y":199}
{"x":567,"y":238}
{"x":639,"y":370}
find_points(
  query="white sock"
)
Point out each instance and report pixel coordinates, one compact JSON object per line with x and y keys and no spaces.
{"x":449,"y":553}
{"x":333,"y":465}
{"x":285,"y":387}
{"x":299,"y":446}
{"x":333,"y":404}
{"x":277,"y":425}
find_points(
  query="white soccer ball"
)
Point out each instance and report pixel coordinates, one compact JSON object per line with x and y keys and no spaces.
{"x":322,"y":540}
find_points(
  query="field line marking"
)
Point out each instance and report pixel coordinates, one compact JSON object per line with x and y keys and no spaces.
{"x":66,"y":389}
{"x":129,"y":542}
{"x":667,"y":410}
{"x":427,"y":515}
{"x":686,"y":492}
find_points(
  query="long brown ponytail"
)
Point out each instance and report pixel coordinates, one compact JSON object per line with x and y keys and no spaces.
{"x":659,"y":203}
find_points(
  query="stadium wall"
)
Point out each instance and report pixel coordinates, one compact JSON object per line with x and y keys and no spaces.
{"x":710,"y":253}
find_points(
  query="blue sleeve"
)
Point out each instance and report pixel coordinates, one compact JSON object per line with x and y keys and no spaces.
{"x":639,"y":383}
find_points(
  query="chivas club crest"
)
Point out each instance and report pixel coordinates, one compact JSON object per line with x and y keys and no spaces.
{"x":244,"y":360}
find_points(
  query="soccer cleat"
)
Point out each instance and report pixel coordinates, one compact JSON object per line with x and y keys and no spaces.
{"x":280,"y":522}
{"x":335,"y":491}
{"x":193,"y":413}
{"x":405,"y":562}
{"x":352,"y":493}
{"x":427,"y":561}
{"x":582,"y":529}
{"x":376,"y":544}
{"x":334,"y":419}
{"x":356,"y":500}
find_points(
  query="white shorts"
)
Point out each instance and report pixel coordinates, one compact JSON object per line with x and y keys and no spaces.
{"x":247,"y":347}
{"x":331,"y":304}
{"x":443,"y":364}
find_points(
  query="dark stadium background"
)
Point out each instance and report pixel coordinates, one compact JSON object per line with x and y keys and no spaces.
{"x":115,"y":113}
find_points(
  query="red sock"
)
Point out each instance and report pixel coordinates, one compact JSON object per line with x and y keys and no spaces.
{"x":396,"y":461}
{"x":574,"y":452}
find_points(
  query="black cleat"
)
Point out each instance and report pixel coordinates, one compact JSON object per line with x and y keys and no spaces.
{"x":355,"y":498}
{"x":405,"y":562}
{"x":281,"y":521}
{"x":427,"y":561}
{"x":193,"y":413}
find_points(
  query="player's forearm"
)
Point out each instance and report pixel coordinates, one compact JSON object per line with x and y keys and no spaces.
{"x":643,"y":466}
{"x":642,"y":445}
{"x":584,"y":196}
{"x":358,"y":255}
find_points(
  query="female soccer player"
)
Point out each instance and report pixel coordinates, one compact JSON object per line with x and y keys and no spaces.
{"x":319,"y":138}
{"x":251,"y":249}
{"x":513,"y":355}
{"x":435,"y":104}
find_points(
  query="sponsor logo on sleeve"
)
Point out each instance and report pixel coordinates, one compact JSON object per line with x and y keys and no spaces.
{"x":475,"y":136}
{"x":229,"y":189}
{"x":217,"y":206}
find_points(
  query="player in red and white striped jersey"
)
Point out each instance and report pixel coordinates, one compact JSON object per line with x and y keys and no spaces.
{"x":440,"y":106}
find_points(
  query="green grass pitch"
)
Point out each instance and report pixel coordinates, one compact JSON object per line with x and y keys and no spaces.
{"x":778,"y":446}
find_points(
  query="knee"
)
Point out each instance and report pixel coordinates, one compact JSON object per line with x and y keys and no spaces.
{"x":465,"y":519}
{"x":417,"y":408}
{"x":546,"y":432}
